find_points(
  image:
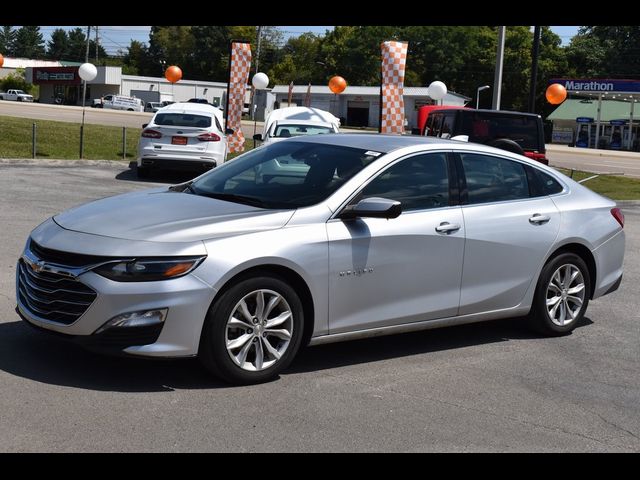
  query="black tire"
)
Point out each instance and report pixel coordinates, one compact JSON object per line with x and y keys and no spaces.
{"x":539,"y":318}
{"x":129,"y":109}
{"x":143,"y":172}
{"x":213,"y":342}
{"x":508,"y":145}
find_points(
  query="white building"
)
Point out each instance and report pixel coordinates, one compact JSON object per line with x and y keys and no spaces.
{"x":360,"y":106}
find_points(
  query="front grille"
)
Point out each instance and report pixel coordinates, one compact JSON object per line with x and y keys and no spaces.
{"x":52,"y":296}
{"x":64,"y":258}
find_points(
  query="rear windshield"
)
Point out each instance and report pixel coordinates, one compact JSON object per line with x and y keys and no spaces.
{"x":483,"y":128}
{"x":290,"y":130}
{"x":182,"y":120}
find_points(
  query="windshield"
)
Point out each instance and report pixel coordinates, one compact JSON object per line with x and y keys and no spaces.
{"x":284,"y":174}
{"x":285,"y":130}
{"x":182,"y":120}
{"x":20,"y":92}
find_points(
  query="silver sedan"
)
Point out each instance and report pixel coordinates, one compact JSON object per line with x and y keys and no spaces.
{"x":322,"y":239}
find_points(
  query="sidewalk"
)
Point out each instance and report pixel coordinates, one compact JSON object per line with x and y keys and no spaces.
{"x":564,"y":149}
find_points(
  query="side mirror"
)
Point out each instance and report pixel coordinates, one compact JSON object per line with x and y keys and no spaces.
{"x":374,"y":207}
{"x":229,"y":131}
{"x":144,"y":125}
{"x":258,"y":137}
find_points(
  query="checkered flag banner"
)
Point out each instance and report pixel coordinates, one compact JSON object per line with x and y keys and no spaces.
{"x":238,"y":77}
{"x":394,"y":59}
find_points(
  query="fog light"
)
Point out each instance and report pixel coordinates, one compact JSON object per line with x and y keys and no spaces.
{"x":144,"y":318}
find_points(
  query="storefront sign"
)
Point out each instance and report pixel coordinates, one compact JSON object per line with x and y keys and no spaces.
{"x":598,"y":85}
{"x":56,"y":75}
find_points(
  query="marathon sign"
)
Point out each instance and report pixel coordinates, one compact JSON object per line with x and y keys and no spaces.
{"x":598,"y":85}
{"x":56,"y":75}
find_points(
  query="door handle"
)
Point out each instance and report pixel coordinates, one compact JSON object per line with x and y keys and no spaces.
{"x":539,"y":219}
{"x":446,"y":227}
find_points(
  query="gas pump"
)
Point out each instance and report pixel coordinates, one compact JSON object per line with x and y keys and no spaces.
{"x":617,"y":134}
{"x":583,"y":131}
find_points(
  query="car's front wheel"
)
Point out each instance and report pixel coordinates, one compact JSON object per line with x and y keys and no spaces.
{"x":562,"y":295}
{"x":253,"y":331}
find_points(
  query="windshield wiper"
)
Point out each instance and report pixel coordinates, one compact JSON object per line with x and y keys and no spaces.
{"x":182,"y":187}
{"x":232,"y":197}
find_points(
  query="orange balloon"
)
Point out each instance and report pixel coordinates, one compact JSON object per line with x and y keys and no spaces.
{"x":337,"y":84}
{"x":173,"y":74}
{"x":556,"y":94}
{"x":1,"y":60}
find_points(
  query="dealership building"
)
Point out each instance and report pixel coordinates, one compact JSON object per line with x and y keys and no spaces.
{"x":598,"y":113}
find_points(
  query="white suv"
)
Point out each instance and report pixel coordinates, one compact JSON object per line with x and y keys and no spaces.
{"x":186,"y":136}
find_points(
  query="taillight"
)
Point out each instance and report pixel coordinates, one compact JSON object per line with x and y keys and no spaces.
{"x":151,"y":134}
{"x":540,"y":157}
{"x":618,"y":215}
{"x":209,"y":137}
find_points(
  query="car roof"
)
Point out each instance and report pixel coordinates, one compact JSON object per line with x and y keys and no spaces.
{"x":373,"y":141}
{"x":469,"y":111}
{"x":301,"y":113}
{"x":291,"y":121}
{"x":193,"y":108}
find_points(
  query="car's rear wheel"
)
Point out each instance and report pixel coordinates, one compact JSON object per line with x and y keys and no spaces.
{"x":562,"y":295}
{"x":253,"y":331}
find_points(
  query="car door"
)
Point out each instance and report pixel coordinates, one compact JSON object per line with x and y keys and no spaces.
{"x":509,"y":232}
{"x":389,"y":272}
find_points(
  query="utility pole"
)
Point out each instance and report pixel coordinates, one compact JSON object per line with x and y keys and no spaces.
{"x":86,"y":55}
{"x":497,"y":79}
{"x":97,"y":44}
{"x":258,"y":49}
{"x":534,"y":69}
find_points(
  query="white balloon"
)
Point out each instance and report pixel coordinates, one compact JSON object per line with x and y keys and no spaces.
{"x":88,"y":71}
{"x":260,"y":81}
{"x":437,"y":90}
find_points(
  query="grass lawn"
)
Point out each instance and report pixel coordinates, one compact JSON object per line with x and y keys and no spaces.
{"x":62,"y":140}
{"x":616,"y":187}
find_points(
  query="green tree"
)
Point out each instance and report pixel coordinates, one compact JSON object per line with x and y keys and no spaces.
{"x":299,"y":61}
{"x":29,"y":42}
{"x":7,"y":40}
{"x":58,"y":46}
{"x":77,"y":45}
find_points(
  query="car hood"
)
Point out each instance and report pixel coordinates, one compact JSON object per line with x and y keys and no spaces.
{"x":159,"y":215}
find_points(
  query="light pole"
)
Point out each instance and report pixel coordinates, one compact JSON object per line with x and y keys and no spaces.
{"x":260,"y":81}
{"x":485,"y":87}
{"x":87,"y":72}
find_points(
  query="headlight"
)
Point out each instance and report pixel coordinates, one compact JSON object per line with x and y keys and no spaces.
{"x":149,"y":269}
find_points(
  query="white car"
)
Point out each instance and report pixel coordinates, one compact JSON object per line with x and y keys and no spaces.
{"x":153,"y":106}
{"x":185,"y":136}
{"x":119,"y":102}
{"x":297,"y":121}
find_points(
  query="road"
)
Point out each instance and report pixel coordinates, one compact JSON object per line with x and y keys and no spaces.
{"x":97,"y":116}
{"x":483,"y":387}
{"x":598,"y":161}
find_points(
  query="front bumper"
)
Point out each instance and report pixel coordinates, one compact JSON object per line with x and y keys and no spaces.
{"x":187,"y":299}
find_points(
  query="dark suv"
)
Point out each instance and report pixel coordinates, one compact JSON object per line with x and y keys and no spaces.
{"x":516,"y":132}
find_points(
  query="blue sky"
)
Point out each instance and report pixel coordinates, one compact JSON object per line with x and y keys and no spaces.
{"x":114,"y":38}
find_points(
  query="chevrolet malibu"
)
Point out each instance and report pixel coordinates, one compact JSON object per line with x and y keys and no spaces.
{"x":322,"y":239}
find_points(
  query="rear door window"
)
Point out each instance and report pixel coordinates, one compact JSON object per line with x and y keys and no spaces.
{"x":487,"y":127}
{"x":493,"y":179}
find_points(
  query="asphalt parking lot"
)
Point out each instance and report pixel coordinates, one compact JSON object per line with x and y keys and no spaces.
{"x":483,"y":387}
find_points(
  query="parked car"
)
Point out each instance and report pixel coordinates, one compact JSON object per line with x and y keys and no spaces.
{"x":16,"y":96}
{"x":297,"y":121}
{"x":119,"y":102}
{"x":517,"y":132}
{"x":186,"y":136}
{"x":153,"y":106}
{"x":382,"y":235}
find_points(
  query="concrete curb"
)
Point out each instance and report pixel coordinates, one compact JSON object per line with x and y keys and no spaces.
{"x":52,"y":162}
